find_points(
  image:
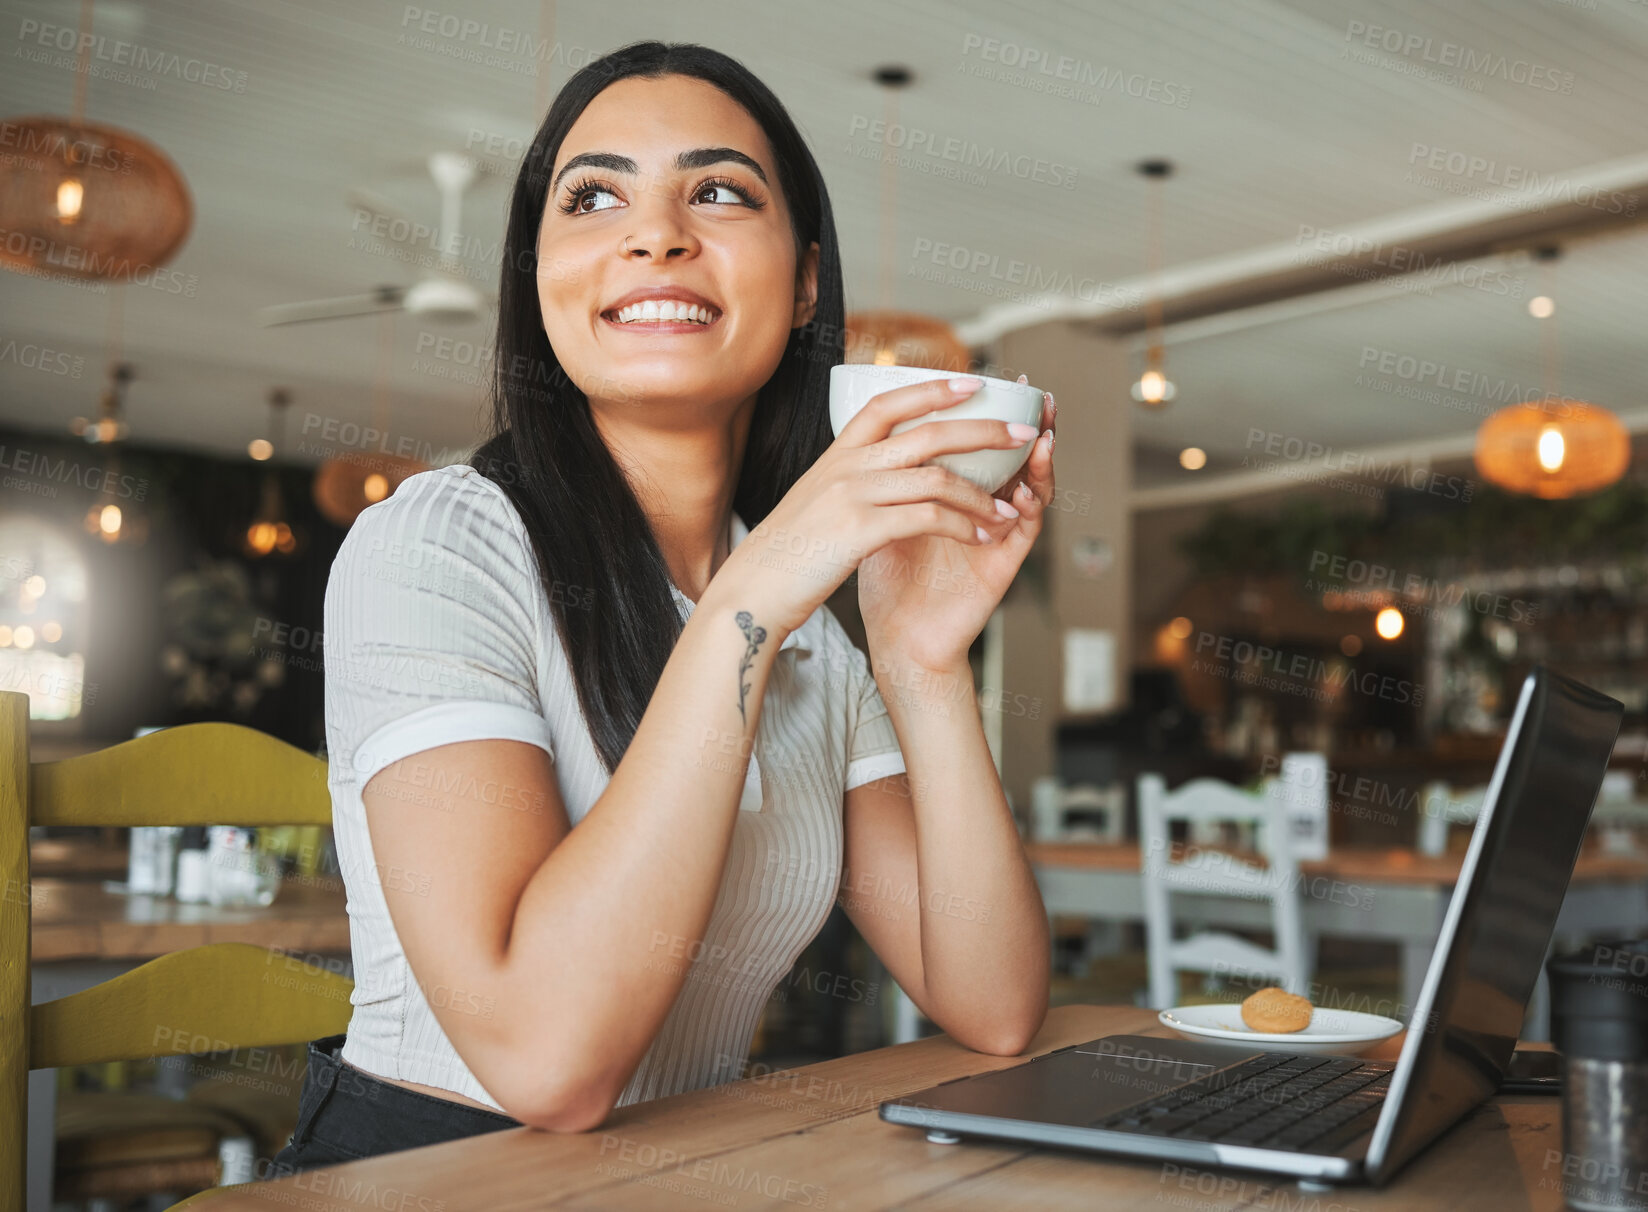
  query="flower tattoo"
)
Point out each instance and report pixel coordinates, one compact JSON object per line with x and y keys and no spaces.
{"x":755,"y":635}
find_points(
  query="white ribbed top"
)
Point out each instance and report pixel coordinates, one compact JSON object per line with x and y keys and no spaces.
{"x":438,"y":629}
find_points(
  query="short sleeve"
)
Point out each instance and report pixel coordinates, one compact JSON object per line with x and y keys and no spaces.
{"x":431,"y":635}
{"x":873,"y":751}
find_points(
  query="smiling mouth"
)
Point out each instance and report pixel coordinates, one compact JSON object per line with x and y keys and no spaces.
{"x":665,"y":313}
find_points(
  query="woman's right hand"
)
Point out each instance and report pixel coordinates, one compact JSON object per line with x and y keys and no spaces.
{"x":866,"y":490}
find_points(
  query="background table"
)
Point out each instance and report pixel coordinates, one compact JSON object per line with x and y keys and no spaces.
{"x":811,"y":1138}
{"x":1399,"y":896}
{"x":81,"y":934}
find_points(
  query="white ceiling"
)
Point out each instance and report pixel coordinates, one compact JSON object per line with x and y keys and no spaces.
{"x":1287,"y":118}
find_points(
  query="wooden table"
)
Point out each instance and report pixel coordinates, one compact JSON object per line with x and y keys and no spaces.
{"x":81,"y":920}
{"x":77,"y":858}
{"x":1391,"y":895}
{"x":810,"y":1137}
{"x":82,"y":934}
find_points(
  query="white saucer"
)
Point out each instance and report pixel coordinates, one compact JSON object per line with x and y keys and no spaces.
{"x":1347,"y":1032}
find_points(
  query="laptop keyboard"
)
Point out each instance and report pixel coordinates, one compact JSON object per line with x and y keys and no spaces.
{"x":1275,"y":1101}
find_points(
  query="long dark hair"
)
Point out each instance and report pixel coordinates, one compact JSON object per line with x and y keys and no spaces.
{"x":607,"y":580}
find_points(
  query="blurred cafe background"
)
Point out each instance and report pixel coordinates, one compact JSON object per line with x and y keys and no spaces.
{"x":1344,"y":303}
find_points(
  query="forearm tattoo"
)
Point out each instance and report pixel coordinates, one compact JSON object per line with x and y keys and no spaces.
{"x":755,"y":636}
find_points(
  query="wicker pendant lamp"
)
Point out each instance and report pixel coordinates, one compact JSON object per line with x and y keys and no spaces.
{"x":886,"y":336}
{"x":346,"y":484}
{"x":1554,"y":447}
{"x":85,"y":200}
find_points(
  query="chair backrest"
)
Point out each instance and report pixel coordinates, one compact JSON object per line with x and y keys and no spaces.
{"x":1302,"y":786}
{"x":231,"y":994}
{"x":1210,"y":872}
{"x":1107,"y":804}
{"x":1442,"y":806}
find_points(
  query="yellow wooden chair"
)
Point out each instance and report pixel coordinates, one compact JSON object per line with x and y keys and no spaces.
{"x":234,"y":994}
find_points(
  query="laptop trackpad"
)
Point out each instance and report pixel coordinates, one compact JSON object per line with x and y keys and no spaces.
{"x":1089,"y":1082}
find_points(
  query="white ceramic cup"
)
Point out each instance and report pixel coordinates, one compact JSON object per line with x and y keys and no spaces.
{"x":854,"y":384}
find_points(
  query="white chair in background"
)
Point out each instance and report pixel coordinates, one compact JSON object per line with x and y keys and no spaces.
{"x":1302,"y":785}
{"x":1440,"y":808}
{"x":1099,"y":813}
{"x":1203,"y":803}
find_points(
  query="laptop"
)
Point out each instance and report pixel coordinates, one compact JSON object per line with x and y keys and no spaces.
{"x":1338,"y":1119}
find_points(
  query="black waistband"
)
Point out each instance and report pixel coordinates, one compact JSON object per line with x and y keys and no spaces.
{"x":326,"y":1058}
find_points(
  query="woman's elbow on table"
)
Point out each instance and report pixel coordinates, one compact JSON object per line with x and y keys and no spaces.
{"x":1003,"y":1038}
{"x":579,"y":1107}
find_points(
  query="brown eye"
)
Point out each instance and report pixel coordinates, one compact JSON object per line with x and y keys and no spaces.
{"x":740,"y":195}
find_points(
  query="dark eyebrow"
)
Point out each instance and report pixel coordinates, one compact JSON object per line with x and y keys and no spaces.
{"x":698,"y":157}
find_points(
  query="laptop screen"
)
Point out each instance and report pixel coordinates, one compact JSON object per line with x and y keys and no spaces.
{"x":1503,"y":911}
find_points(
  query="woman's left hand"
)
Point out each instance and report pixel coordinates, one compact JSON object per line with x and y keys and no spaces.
{"x":927,"y":598}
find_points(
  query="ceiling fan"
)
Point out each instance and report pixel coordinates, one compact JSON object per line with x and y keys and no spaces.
{"x":443,"y":295}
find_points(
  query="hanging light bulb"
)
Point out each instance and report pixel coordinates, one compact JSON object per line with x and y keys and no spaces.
{"x":1555,"y":447}
{"x":1154,"y":388}
{"x":1551,"y":448}
{"x":346,"y":484}
{"x":269,"y":531}
{"x":108,"y":426}
{"x":70,"y":194}
{"x":886,"y":336}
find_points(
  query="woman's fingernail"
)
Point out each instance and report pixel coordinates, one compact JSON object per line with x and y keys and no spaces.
{"x":1024,"y":378}
{"x":983,"y":534}
{"x":1005,"y":510}
{"x":1020,"y":432}
{"x":1052,"y":404}
{"x":1049,"y":441}
{"x":965,"y":386}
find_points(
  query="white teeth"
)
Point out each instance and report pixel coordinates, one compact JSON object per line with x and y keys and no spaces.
{"x":662,"y":310}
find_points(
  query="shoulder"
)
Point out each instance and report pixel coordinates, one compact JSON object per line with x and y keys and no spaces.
{"x":445,"y":530}
{"x":451,"y":507}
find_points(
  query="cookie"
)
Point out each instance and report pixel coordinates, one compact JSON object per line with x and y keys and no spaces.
{"x":1277,"y":1010}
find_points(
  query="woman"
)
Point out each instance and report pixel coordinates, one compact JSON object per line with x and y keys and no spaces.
{"x":601,"y":759}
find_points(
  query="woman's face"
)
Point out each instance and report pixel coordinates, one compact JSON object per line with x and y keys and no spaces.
{"x":685,"y":175}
